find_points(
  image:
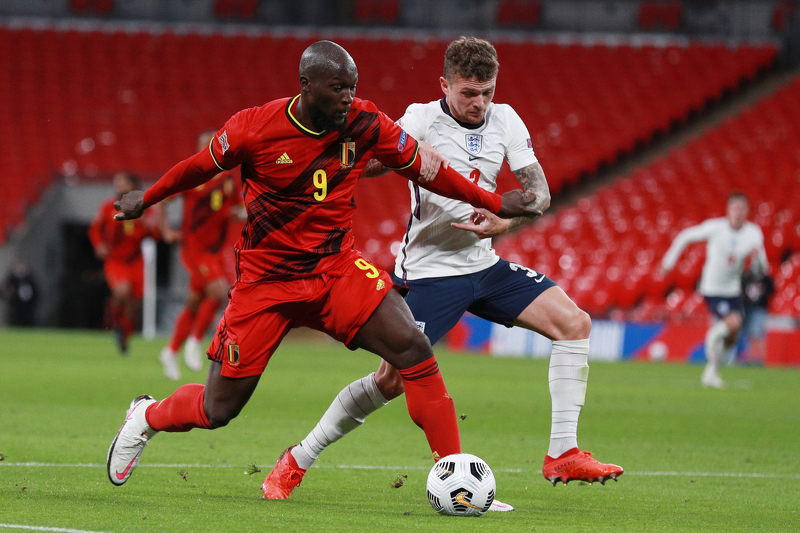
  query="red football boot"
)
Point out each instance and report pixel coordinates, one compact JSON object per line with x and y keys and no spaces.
{"x":286,"y":475}
{"x":578,"y":465}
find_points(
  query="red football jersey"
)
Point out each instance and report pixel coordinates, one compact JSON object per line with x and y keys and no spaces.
{"x":298,"y":184}
{"x":123,"y":238}
{"x":207,"y":214}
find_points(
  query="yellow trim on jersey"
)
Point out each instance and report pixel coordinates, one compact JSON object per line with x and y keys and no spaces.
{"x":297,"y":122}
{"x":416,"y":151}
{"x":211,"y":151}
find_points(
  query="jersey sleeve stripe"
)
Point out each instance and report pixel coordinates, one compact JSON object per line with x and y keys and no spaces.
{"x":411,"y":161}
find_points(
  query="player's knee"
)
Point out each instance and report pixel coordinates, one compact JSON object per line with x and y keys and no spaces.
{"x":414,"y":348}
{"x":218,"y":290}
{"x":420,"y":345}
{"x":221,"y":297}
{"x":193,"y":302}
{"x":579,"y":325}
{"x":123,"y":291}
{"x":219,"y":416}
{"x":734,"y":321}
{"x":389,"y":382}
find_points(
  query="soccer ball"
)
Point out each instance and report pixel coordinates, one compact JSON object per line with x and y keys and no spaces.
{"x":657,"y":351}
{"x":461,"y":485}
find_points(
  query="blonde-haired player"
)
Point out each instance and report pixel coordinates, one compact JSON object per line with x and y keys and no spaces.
{"x":730,"y":241}
{"x":448,"y":266}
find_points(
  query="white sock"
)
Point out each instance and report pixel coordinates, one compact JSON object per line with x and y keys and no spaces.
{"x":568,"y":375}
{"x":729,"y":353}
{"x":346,"y":413}
{"x":715,"y":342}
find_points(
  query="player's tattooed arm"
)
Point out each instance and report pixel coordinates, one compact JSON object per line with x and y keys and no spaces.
{"x":533,"y":182}
{"x":487,"y":225}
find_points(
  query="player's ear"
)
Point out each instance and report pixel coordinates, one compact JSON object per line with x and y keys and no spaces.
{"x":443,"y":84}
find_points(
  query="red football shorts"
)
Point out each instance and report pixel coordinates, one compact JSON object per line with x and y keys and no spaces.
{"x":259,"y":315}
{"x":203,"y":268}
{"x":121,"y":272}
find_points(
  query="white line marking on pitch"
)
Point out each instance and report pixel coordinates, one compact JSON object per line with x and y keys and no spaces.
{"x":41,"y":528}
{"x":386,"y":467}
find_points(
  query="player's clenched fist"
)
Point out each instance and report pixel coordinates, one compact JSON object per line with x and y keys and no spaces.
{"x":517,"y":203}
{"x":130,"y":206}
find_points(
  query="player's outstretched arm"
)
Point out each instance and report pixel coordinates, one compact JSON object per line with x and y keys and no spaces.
{"x":430,"y":162}
{"x":487,"y":225}
{"x":186,"y":175}
{"x":517,"y":203}
{"x":686,"y":237}
{"x":453,"y":185}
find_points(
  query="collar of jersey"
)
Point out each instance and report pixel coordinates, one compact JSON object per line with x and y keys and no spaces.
{"x":446,"y":109}
{"x":303,"y":129}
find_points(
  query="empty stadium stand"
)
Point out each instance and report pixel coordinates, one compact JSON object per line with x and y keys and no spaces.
{"x":605,"y":250}
{"x":82,"y":104}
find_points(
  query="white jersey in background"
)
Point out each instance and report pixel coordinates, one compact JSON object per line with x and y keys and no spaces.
{"x":726,"y":251}
{"x":431,"y":247}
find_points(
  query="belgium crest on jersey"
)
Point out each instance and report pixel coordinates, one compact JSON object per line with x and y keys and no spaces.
{"x":347,"y":153}
{"x":474,"y":143}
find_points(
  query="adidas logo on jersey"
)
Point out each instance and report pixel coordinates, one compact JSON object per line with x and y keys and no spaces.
{"x":284,"y":159}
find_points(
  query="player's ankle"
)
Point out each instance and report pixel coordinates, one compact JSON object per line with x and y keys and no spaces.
{"x":302,"y":457}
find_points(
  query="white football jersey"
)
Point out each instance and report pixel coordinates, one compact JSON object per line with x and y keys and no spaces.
{"x":431,"y":247}
{"x":726,"y":252}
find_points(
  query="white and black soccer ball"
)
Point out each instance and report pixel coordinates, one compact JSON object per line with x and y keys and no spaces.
{"x":461,"y":484}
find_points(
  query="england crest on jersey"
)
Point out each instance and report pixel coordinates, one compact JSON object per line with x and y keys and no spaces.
{"x":474,"y":143}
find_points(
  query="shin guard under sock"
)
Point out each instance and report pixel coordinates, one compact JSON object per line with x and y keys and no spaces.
{"x":431,"y":407}
{"x":182,"y":411}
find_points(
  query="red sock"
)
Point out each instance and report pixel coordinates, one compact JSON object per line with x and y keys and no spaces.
{"x":126,"y":323}
{"x":431,"y":408}
{"x":180,"y":412}
{"x":182,"y":328}
{"x":115,"y":310}
{"x":205,"y":314}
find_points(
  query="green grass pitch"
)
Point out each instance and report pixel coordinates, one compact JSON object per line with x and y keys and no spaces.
{"x":695,"y":459}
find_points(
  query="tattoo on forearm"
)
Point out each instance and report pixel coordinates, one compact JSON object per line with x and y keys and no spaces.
{"x":533,"y":181}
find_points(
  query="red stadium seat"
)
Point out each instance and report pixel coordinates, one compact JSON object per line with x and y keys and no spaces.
{"x":384,"y":12}
{"x":98,"y":102}
{"x":782,"y":13}
{"x":519,"y":13}
{"x":236,"y":9}
{"x":660,"y":15}
{"x":84,"y":7}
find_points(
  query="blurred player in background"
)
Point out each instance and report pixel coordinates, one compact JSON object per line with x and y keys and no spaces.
{"x":207,"y":211}
{"x":730,"y":241}
{"x":119,"y":246}
{"x":757,"y":289}
{"x":296,"y":266}
{"x":448,"y":267}
{"x":22,"y":293}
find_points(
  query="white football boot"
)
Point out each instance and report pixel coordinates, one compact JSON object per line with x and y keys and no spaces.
{"x":193,"y":354}
{"x":169,"y":362}
{"x":127,"y":447}
{"x":500,"y":507}
{"x":711,"y":378}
